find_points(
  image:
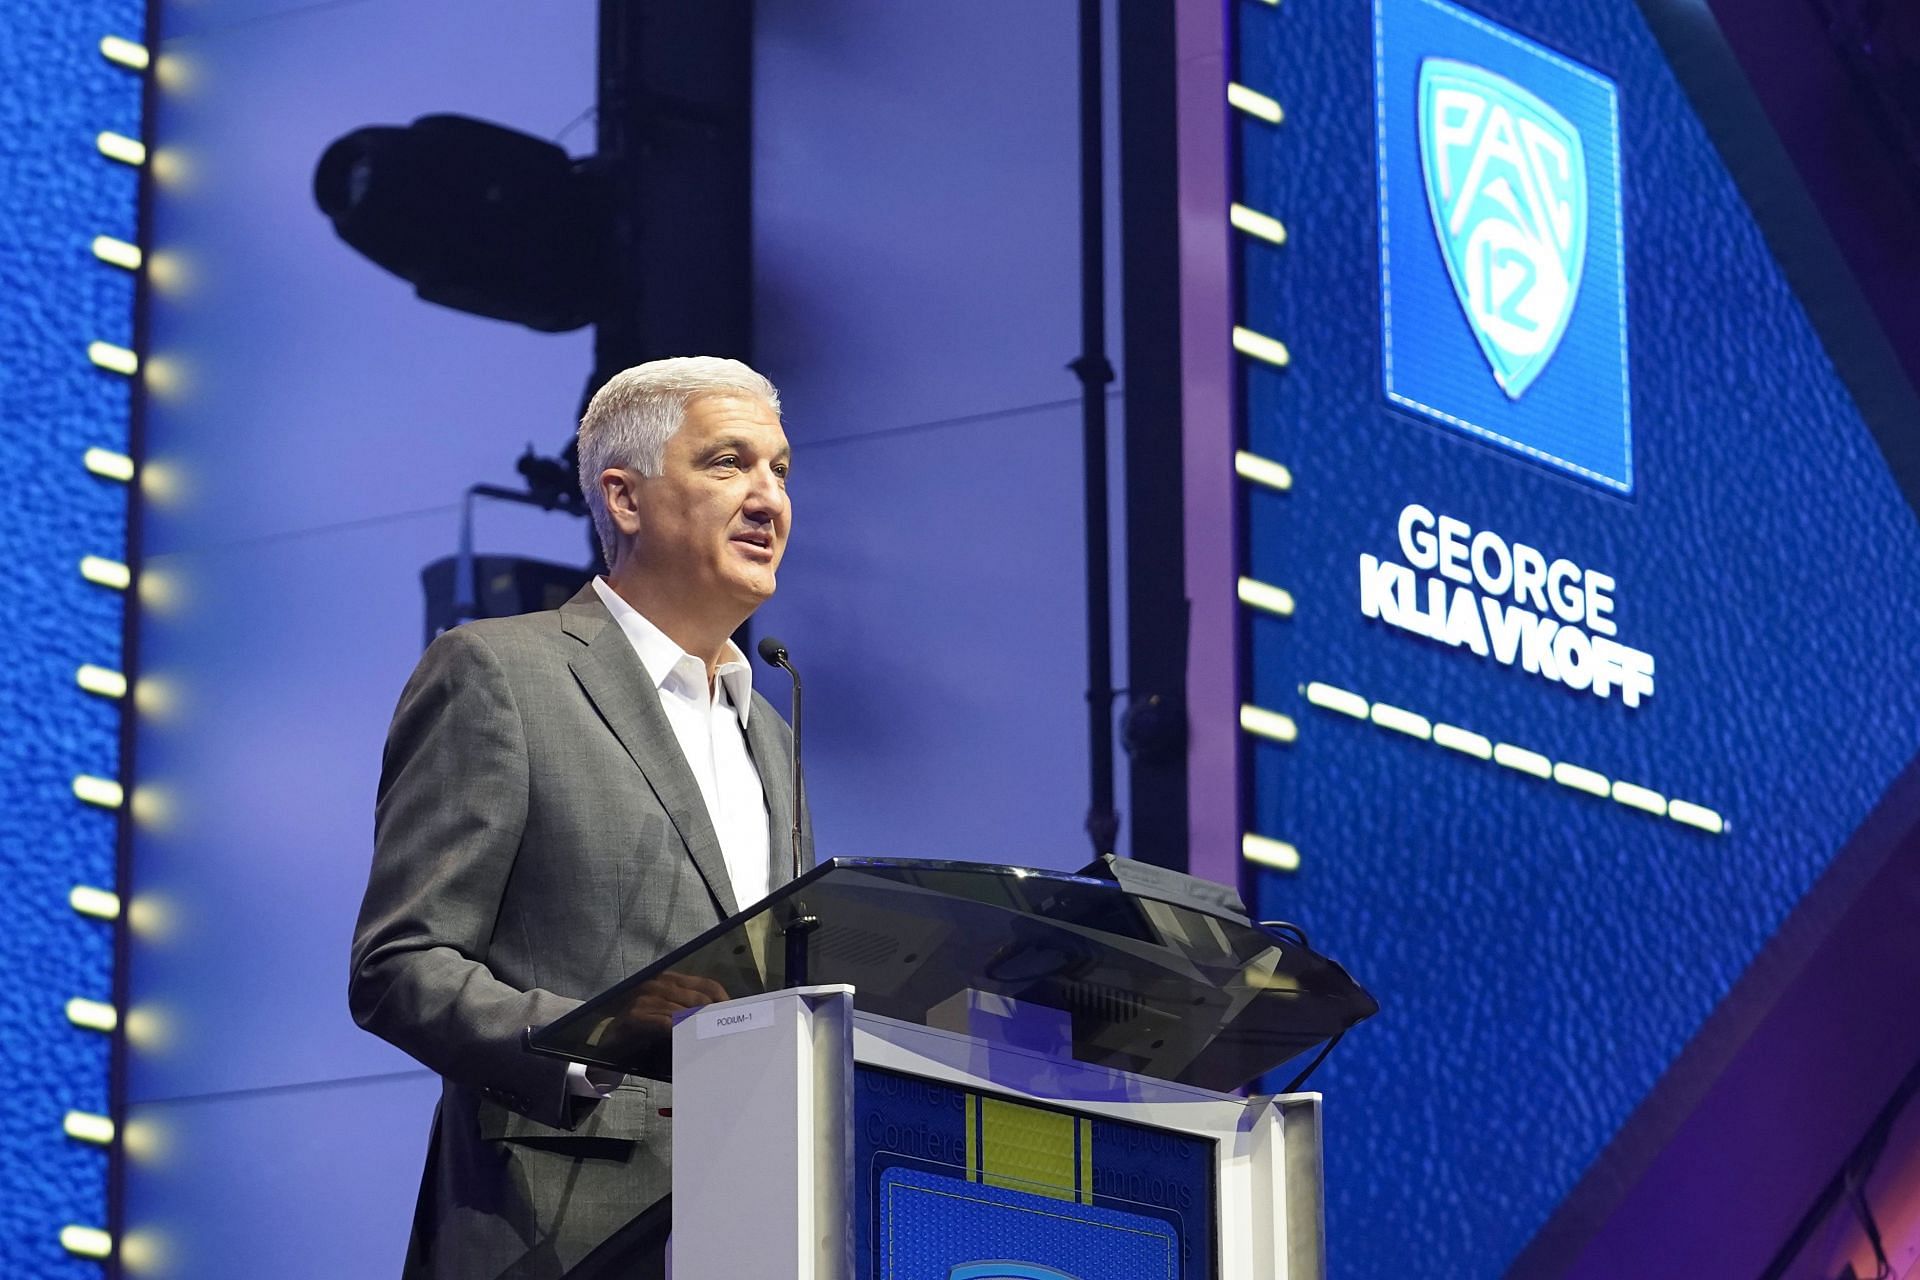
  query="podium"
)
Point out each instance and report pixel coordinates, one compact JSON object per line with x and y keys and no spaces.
{"x":908,"y":1070}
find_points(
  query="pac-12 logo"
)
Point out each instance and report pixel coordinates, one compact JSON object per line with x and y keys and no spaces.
{"x":1507,"y":188}
{"x":1503,"y":264}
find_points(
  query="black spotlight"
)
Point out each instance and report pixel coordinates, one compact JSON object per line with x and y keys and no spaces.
{"x":475,"y":216}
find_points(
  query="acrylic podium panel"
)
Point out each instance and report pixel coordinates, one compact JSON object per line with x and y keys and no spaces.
{"x":814,"y":1141}
{"x":1030,"y":1088}
{"x":1184,"y":991}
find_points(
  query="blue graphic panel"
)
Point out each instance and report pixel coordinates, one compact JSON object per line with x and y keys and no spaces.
{"x":1502,"y":276}
{"x":1544,"y":928}
{"x":1141,"y":1197}
{"x":939,"y":1227}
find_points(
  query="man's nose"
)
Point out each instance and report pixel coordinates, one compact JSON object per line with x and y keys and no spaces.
{"x":767,"y":497}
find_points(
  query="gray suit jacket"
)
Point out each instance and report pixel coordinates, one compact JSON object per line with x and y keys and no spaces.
{"x":538,"y":836}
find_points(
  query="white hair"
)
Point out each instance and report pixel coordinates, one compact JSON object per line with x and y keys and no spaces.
{"x":631,"y":418}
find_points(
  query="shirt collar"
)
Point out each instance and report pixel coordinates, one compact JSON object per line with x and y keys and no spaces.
{"x":672,"y":668}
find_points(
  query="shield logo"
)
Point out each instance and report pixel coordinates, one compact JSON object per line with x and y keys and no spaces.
{"x":1507,"y":187}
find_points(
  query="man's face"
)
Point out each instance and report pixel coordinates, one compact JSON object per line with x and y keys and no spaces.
{"x":714,"y":522}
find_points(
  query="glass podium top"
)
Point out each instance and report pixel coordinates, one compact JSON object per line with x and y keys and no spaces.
{"x":1177,"y":992}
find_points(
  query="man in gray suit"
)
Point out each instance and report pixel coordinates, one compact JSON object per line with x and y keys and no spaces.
{"x":564,"y":798}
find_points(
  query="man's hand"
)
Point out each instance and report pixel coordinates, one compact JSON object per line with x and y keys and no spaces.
{"x":652,"y":1006}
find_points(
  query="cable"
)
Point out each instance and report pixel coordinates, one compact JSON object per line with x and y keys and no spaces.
{"x":1293,"y":1085}
{"x":1289,"y":928}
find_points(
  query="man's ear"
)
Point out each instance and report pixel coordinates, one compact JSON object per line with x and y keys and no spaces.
{"x":620,"y":489}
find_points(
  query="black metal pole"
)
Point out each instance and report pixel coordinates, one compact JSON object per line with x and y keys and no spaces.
{"x":1103,"y":823}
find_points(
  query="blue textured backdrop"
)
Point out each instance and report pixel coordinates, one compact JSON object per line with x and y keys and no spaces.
{"x":56,"y":193}
{"x":1541,"y":955}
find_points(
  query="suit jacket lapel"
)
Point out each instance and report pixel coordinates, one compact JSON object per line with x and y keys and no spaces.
{"x":774,"y":760}
{"x":620,"y":689}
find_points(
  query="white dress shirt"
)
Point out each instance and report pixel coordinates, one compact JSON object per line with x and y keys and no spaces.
{"x":710,"y":724}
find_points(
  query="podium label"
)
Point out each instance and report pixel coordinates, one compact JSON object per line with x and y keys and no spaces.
{"x":725,"y":1020}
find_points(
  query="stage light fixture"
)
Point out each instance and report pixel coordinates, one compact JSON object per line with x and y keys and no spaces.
{"x":476,"y":216}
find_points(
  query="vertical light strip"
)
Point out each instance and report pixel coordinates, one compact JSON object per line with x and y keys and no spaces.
{"x":1266,"y":852}
{"x":1261,"y":595}
{"x":1268,"y":724}
{"x":87,"y":1242}
{"x":108,"y":465}
{"x":1251,"y":466}
{"x":112,"y":238}
{"x":94,"y":1015}
{"x":103,"y":572}
{"x":1254,"y":223}
{"x":126,"y":52}
{"x":99,"y":680}
{"x":101,"y":904}
{"x":1254,"y":103}
{"x":118,"y":253}
{"x":87,"y":1126}
{"x":114,"y":359}
{"x":104,"y":792}
{"x":118,"y":146}
{"x":1261,"y":347}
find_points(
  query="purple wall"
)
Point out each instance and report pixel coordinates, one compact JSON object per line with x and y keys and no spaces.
{"x":320,"y":426}
{"x":917,"y":277}
{"x":1207,"y":410}
{"x":917,"y":268}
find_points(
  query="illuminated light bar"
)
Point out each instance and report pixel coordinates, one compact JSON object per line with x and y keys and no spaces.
{"x":1277,"y":854}
{"x":85,"y":1126}
{"x":105,"y":573}
{"x":108,"y":684}
{"x":101,"y":904}
{"x":1505,"y":753}
{"x":1695,"y":815}
{"x":1256,"y":223}
{"x":118,"y":253}
{"x":1332,"y":699}
{"x":125,"y":52}
{"x":118,"y":146}
{"x":1254,"y":103}
{"x":1262,"y":596}
{"x":1532,"y":763}
{"x":107,"y":463}
{"x":113,"y":359}
{"x":1268,"y":724}
{"x":88,"y":1242}
{"x":1260,"y":347}
{"x":1572,"y":775}
{"x":92,"y":1014}
{"x":104,"y":792}
{"x":1402,"y":721}
{"x":1251,"y":466}
{"x":1642,"y":798}
{"x":1465,"y":741}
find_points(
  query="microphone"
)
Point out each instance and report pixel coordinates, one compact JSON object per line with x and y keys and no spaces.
{"x":774,"y":654}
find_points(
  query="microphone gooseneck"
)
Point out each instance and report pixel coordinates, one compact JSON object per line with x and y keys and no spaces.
{"x":774,"y":654}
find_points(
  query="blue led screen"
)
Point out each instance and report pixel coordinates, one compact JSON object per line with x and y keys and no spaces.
{"x":1603,"y":629}
{"x":57,"y":192}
